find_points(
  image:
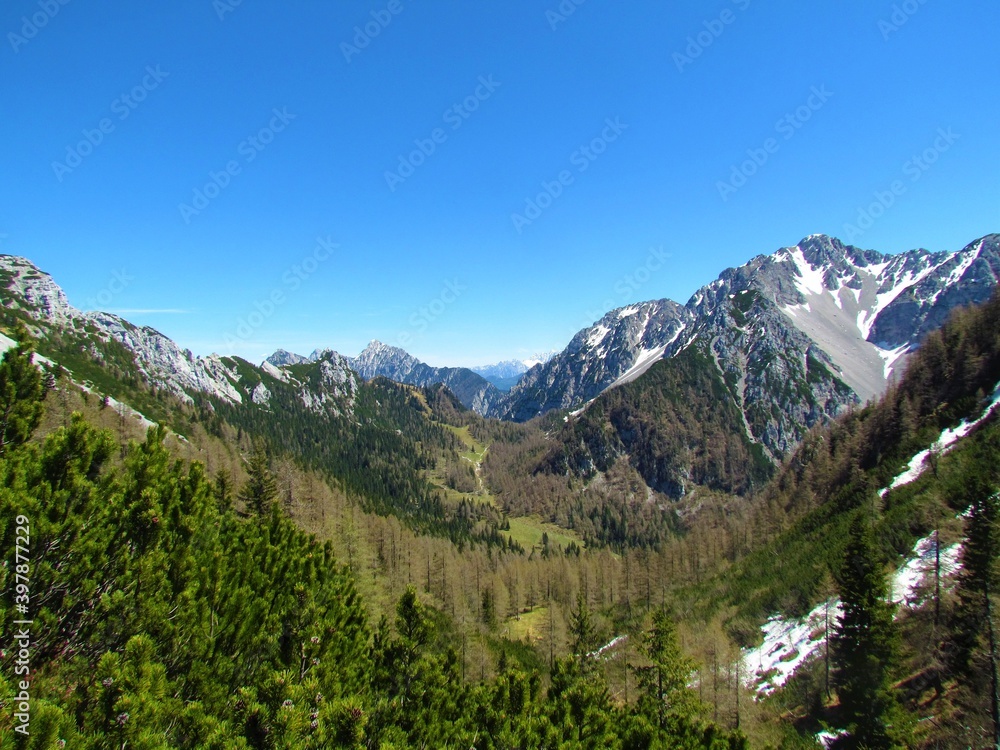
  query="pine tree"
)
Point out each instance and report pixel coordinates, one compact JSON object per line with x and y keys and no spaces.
{"x":866,"y":648}
{"x":261,"y":489}
{"x":21,"y":392}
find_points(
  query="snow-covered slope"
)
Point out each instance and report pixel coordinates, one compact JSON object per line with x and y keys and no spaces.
{"x":620,"y":345}
{"x":789,"y":643}
{"x":798,"y":334}
{"x":866,"y":310}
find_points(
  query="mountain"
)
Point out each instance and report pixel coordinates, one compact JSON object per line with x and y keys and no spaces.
{"x":504,"y":375}
{"x":124,"y":349}
{"x":282,"y":358}
{"x":381,"y":360}
{"x":615,"y":349}
{"x":797,"y":335}
{"x":471,"y":389}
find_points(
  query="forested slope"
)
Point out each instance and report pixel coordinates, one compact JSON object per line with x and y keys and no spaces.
{"x":162,"y":617}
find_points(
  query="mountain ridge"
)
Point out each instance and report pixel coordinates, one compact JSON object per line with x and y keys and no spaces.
{"x":854,"y":312}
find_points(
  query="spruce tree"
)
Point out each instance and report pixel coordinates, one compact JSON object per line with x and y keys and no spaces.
{"x":974,"y":626}
{"x":260,"y":490}
{"x":866,"y":647}
{"x":664,"y":682}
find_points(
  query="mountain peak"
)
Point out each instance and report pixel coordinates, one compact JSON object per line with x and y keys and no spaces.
{"x":43,"y":296}
{"x":283,"y":358}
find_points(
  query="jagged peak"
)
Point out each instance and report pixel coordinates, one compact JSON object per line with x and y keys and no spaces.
{"x":376,"y":348}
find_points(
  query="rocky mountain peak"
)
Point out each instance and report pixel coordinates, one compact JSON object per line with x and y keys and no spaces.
{"x":43,"y":297}
{"x":283,"y":358}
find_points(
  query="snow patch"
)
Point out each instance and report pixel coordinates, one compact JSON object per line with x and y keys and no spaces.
{"x":646,"y":358}
{"x":578,"y":412}
{"x":827,"y":738}
{"x":866,"y":318}
{"x":607,"y":646}
{"x":891,"y":356}
{"x":790,"y":643}
{"x":597,"y":335}
{"x":810,"y":279}
{"x":794,"y":310}
{"x":787,"y":645}
{"x":908,"y":578}
{"x":942,"y":445}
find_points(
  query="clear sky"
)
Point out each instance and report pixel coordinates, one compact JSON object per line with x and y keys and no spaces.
{"x":250,"y":175}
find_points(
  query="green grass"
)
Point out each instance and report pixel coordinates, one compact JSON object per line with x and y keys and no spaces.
{"x":529,"y":626}
{"x":474,"y":454}
{"x":527,"y":531}
{"x":475,"y":451}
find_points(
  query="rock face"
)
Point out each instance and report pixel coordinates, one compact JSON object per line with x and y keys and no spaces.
{"x":618,"y":348}
{"x":378,"y":359}
{"x":964,"y":278}
{"x":329,"y":384}
{"x":797,"y":335}
{"x":282,"y":358}
{"x":158,"y":359}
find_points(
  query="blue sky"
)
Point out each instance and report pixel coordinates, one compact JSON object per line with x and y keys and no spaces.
{"x":474,"y":181}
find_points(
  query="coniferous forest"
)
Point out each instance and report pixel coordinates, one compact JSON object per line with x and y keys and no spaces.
{"x":165,"y":618}
{"x":248,"y":585}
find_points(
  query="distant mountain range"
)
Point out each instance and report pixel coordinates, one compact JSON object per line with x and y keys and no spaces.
{"x":796,"y":336}
{"x":504,"y":375}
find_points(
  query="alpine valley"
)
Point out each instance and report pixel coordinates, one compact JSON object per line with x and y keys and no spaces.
{"x":636,"y":542}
